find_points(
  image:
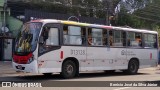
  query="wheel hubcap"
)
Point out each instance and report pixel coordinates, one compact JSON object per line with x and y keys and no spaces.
{"x":69,"y":69}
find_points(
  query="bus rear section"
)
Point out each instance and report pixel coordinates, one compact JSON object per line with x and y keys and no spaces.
{"x":143,"y":48}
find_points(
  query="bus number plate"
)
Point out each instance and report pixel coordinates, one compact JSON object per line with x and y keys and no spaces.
{"x":78,"y":52}
{"x":19,"y":67}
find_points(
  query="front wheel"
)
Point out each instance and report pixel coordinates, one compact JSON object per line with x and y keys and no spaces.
{"x":133,"y":67}
{"x":68,"y":69}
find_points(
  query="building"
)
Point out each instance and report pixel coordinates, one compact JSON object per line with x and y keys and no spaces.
{"x":7,"y":38}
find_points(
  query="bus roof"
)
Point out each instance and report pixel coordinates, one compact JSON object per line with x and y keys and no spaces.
{"x":134,"y":30}
{"x":92,"y":25}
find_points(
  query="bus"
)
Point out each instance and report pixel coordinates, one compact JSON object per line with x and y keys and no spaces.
{"x":50,"y":46}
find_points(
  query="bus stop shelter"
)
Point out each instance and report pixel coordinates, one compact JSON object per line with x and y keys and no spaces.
{"x":6,"y":48}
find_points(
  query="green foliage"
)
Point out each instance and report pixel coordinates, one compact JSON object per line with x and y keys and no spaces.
{"x":88,"y":8}
{"x":146,"y":17}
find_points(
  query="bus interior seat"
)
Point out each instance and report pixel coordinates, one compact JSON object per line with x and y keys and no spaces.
{"x":48,"y":42}
{"x":118,"y":44}
{"x":134,"y":43}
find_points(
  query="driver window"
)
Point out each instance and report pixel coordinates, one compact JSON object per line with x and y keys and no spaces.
{"x":49,"y":39}
{"x":49,"y":36}
{"x":52,"y":37}
{"x":44,"y":35}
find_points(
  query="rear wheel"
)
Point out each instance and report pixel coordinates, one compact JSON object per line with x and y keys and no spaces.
{"x":133,"y":67}
{"x":68,"y":69}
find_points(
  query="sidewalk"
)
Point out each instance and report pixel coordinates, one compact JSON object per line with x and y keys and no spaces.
{"x":6,"y":68}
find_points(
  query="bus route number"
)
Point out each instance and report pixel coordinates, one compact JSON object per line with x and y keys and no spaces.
{"x":78,"y":52}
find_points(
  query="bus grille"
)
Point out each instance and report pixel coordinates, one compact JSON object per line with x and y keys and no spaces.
{"x":22,"y":59}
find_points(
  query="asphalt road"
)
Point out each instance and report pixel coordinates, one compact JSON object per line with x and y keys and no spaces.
{"x":149,"y":74}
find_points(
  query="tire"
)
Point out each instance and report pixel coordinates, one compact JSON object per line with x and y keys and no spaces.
{"x":47,"y":74}
{"x":68,"y":69}
{"x":133,"y":67}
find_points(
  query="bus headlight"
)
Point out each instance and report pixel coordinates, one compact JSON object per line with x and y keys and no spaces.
{"x":30,"y":60}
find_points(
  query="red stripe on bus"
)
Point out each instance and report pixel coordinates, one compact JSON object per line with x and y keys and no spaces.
{"x":107,"y":27}
{"x":22,"y":59}
{"x":150,"y":56}
{"x":61,"y":55}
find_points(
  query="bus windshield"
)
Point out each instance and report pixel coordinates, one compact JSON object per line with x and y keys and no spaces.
{"x":27,"y":39}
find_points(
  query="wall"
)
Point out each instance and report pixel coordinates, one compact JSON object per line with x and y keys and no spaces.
{"x":2,"y":3}
{"x":1,"y":19}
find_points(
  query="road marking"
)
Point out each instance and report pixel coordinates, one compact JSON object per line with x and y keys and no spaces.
{"x":122,"y":88}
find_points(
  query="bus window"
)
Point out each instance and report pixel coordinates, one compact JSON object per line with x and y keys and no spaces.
{"x":49,"y":38}
{"x":150,"y":40}
{"x":52,"y":37}
{"x":105,"y":37}
{"x":111,"y":38}
{"x":95,"y":37}
{"x":124,"y":38}
{"x":44,"y":35}
{"x":117,"y":38}
{"x":134,"y":39}
{"x":73,"y":35}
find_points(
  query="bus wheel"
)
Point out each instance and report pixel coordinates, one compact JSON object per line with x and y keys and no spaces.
{"x":47,"y":74}
{"x":133,"y":67}
{"x":68,"y":69}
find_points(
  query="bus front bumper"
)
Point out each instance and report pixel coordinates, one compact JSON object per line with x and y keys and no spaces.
{"x":30,"y":68}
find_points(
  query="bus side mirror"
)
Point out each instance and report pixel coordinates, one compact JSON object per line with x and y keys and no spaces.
{"x":45,"y":36}
{"x":41,"y":41}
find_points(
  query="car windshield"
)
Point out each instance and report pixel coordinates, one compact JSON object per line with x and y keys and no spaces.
{"x":27,"y":39}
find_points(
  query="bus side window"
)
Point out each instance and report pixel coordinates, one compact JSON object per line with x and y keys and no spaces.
{"x":124,"y":38}
{"x":53,"y":37}
{"x":73,"y":35}
{"x":119,"y":38}
{"x":111,"y":38}
{"x":155,"y":41}
{"x":83,"y":34}
{"x":150,"y":40}
{"x":128,"y":42}
{"x":95,"y":37}
{"x":139,"y":40}
{"x":105,"y":37}
{"x":44,"y":35}
{"x":134,"y":39}
{"x":65,"y":34}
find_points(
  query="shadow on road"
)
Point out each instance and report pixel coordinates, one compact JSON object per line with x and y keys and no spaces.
{"x":59,"y":78}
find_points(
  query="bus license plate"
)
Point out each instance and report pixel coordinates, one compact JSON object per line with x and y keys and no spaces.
{"x":19,"y":67}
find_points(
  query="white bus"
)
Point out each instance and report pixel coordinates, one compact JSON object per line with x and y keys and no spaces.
{"x":55,"y":46}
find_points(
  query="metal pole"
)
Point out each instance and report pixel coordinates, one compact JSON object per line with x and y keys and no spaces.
{"x":4,"y":25}
{"x":107,"y":17}
{"x":108,"y":21}
{"x":4,"y":20}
